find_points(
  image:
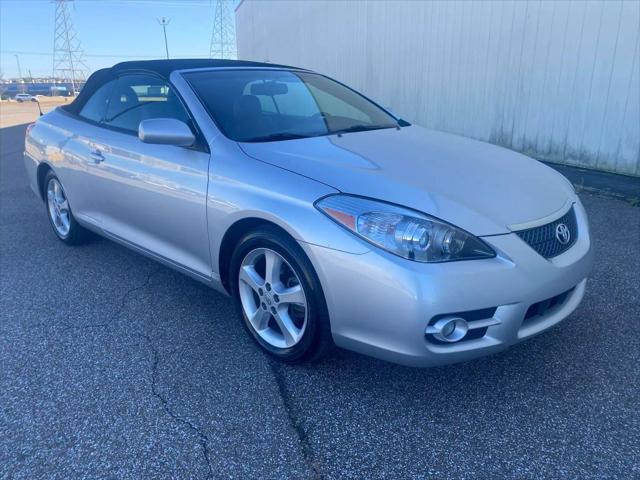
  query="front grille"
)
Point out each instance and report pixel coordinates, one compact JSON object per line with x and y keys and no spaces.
{"x":544,"y":239}
{"x":540,"y":309}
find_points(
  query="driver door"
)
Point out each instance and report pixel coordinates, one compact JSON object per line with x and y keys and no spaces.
{"x":152,"y":197}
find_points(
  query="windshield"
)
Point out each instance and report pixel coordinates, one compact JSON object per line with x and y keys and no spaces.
{"x":270,"y":105}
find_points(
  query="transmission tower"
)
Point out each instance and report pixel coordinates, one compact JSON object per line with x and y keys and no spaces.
{"x":68,"y":57}
{"x":223,"y":32}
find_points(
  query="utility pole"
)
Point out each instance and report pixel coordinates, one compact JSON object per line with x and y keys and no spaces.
{"x":19,"y":69}
{"x":223,"y":31}
{"x":68,"y":56}
{"x":164,"y":22}
{"x":20,"y":74}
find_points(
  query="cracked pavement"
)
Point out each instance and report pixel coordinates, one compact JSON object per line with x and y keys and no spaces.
{"x":112,"y":366}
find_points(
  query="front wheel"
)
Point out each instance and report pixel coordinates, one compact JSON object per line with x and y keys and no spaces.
{"x":279,"y":297}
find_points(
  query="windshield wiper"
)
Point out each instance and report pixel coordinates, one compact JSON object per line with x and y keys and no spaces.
{"x":362,"y":128}
{"x":278,"y":136}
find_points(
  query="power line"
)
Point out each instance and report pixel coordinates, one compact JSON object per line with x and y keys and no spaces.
{"x":97,"y":55}
{"x":170,"y":3}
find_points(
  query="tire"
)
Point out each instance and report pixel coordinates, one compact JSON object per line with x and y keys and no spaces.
{"x":58,"y":208}
{"x":311,"y":335}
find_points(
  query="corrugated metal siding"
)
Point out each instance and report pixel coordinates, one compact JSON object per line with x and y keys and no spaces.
{"x":559,"y":81}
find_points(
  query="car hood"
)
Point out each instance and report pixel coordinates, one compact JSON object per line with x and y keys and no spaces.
{"x":477,"y":186}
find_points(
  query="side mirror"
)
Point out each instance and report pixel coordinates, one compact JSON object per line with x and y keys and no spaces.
{"x":166,"y":131}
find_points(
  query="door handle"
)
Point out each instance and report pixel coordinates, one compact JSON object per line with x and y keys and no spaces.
{"x":96,"y":156}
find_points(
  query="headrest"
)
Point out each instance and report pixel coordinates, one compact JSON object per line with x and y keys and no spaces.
{"x":247,"y":106}
{"x":129,"y":95}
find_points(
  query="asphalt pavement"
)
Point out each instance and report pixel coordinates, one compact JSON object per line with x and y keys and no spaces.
{"x":112,"y":366}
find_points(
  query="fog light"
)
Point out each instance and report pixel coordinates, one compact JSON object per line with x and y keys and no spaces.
{"x":449,"y":329}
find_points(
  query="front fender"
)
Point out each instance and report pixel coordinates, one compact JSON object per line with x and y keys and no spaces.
{"x":241,"y":187}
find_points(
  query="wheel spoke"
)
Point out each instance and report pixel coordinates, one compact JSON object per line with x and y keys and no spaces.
{"x":64,"y":221}
{"x":57,"y":191}
{"x":273,"y":265}
{"x":289,"y":331}
{"x":293,"y":295}
{"x":64,"y":205}
{"x":249,"y":276}
{"x":50,"y":196}
{"x":260,"y":319}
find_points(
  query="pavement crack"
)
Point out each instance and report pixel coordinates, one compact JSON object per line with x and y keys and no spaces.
{"x":121,"y":308}
{"x":202,"y":437}
{"x":303,"y":438}
{"x":125,"y":296}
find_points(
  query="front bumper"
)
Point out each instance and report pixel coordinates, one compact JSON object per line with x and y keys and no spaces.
{"x":380,"y":304}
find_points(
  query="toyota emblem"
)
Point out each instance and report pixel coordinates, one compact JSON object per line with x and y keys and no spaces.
{"x":563,"y":234}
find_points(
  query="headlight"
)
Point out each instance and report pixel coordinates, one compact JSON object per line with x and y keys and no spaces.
{"x":403,"y":232}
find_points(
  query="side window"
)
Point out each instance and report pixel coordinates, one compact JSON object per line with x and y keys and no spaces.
{"x":140,"y":97}
{"x":96,"y":107}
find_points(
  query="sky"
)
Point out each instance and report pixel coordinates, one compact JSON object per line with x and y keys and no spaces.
{"x":109,"y":31}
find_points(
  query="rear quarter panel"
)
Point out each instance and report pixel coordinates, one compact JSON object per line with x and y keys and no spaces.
{"x":62,"y":142}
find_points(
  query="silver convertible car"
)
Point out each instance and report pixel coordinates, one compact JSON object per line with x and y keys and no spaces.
{"x":328,"y":219}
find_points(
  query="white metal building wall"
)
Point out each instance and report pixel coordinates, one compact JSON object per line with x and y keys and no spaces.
{"x":557,"y":80}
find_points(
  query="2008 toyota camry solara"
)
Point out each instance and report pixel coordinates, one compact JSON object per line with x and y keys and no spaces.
{"x":327,"y":218}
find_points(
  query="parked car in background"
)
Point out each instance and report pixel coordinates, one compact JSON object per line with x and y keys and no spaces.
{"x":327,"y":218}
{"x":25,"y":97}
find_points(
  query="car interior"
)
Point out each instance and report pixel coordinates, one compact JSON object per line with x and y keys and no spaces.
{"x":129,"y":105}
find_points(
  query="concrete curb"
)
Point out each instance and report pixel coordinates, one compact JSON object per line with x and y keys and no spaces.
{"x":613,"y":185}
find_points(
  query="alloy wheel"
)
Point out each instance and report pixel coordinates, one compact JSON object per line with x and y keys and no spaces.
{"x":58,"y":207}
{"x":272,"y":298}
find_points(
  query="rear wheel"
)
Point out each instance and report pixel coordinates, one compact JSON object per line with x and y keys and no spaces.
{"x":279,"y":298}
{"x":59,"y":212}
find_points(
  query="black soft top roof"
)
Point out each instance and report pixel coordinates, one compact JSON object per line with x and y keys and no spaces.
{"x":165,"y":67}
{"x":162,"y":68}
